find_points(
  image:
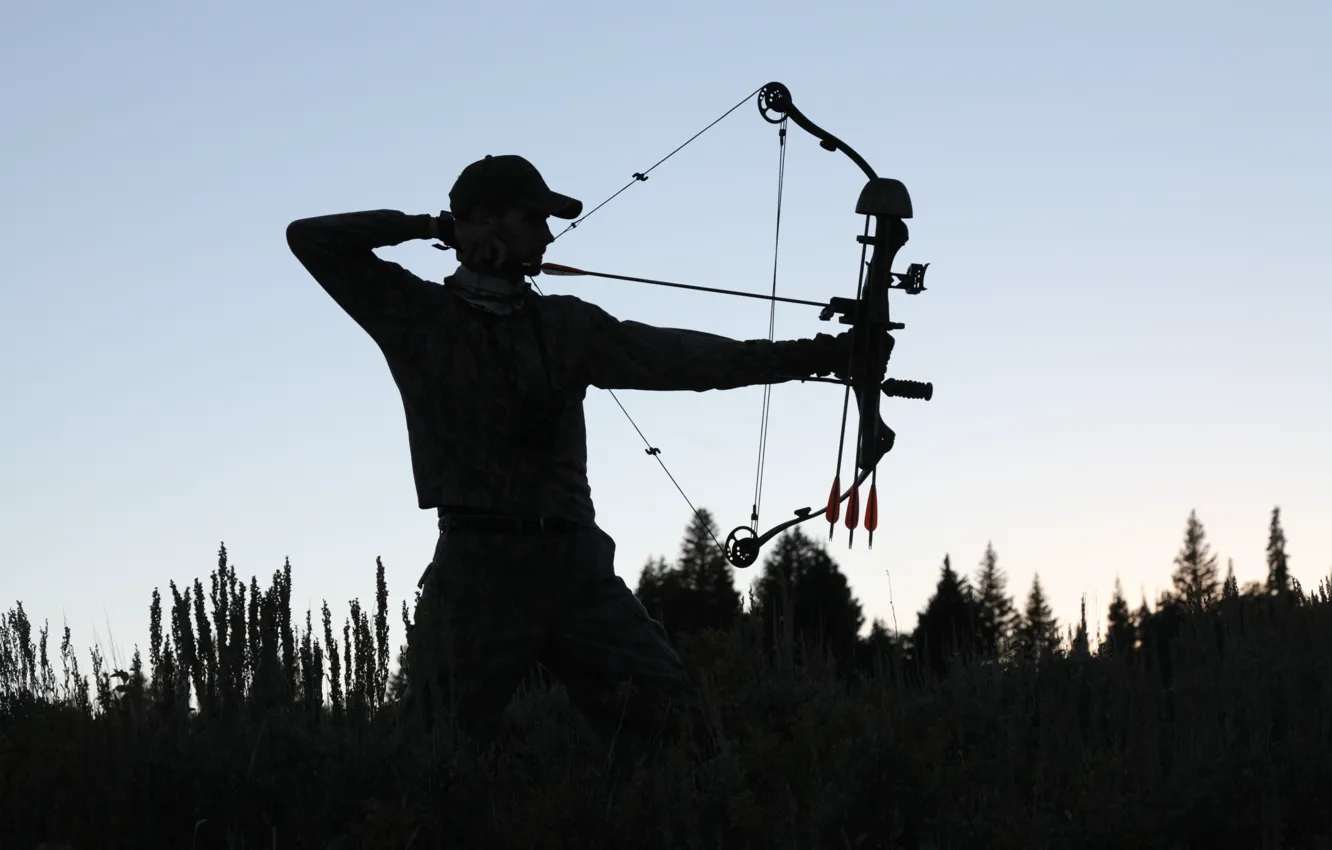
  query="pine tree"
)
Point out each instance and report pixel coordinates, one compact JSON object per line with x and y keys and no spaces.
{"x":1121,"y":634}
{"x":948,"y":630}
{"x":699,"y":592}
{"x":997,"y":617}
{"x":880,"y":653}
{"x":662,"y":593}
{"x":1038,"y":634}
{"x":1230,"y":588}
{"x":207,"y":653}
{"x":707,"y":573}
{"x":381,"y":640}
{"x":1278,"y":569}
{"x":1195,"y":577}
{"x":286,"y":635}
{"x":803,"y":594}
{"x":1078,"y":640}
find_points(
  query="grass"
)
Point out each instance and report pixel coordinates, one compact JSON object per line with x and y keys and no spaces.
{"x":251,"y":730}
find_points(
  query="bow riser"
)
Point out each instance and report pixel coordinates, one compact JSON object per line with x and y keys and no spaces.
{"x":885,"y":200}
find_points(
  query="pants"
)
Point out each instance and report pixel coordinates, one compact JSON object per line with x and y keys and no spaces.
{"x":494,"y":604}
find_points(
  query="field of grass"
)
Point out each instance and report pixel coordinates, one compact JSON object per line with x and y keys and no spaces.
{"x":246,"y":729}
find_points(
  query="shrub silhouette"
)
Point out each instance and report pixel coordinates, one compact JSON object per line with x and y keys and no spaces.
{"x":1190,"y":725}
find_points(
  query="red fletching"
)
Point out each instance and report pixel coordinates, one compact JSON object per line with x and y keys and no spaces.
{"x":853,"y":509}
{"x":835,"y":500}
{"x":872,"y":509}
{"x":557,"y":269}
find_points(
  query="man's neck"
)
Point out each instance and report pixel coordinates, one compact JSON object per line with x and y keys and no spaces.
{"x":493,"y":294}
{"x":510,"y":276}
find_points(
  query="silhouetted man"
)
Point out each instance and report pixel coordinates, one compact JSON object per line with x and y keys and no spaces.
{"x":492,"y":377}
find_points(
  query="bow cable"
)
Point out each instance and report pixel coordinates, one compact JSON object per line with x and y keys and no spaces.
{"x":641,"y":177}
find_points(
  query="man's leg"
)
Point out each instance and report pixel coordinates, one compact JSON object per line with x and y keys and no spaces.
{"x":617,"y":664}
{"x":473,"y":640}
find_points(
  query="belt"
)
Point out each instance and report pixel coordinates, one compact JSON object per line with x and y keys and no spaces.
{"x":501,"y":524}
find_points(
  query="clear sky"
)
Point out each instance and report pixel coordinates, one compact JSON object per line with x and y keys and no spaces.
{"x":1126,"y":207}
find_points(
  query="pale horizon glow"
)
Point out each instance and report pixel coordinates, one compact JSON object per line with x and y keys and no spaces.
{"x":1126,"y":210}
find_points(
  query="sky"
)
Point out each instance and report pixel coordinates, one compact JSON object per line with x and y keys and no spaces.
{"x":1125,"y":206}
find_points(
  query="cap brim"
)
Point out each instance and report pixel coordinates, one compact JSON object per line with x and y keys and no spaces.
{"x":560,"y":206}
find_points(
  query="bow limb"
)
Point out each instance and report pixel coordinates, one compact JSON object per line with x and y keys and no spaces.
{"x":743,"y":545}
{"x":876,"y":439}
{"x":776,"y":98}
{"x":887,"y":202}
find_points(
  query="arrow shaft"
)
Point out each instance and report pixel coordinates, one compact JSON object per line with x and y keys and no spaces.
{"x":561,"y":270}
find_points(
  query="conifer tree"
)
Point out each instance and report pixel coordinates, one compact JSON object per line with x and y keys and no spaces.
{"x":803,"y":594}
{"x":1038,"y":634}
{"x":1121,"y":634}
{"x":699,"y":592}
{"x":1195,"y":578}
{"x":1078,"y":640}
{"x":1230,"y":588}
{"x":1278,"y":568}
{"x":948,"y":630}
{"x":997,"y":616}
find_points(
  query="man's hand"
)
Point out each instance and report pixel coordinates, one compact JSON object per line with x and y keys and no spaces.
{"x":441,"y":228}
{"x":851,"y":344}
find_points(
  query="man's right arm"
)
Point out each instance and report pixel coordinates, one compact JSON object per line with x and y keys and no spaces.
{"x":339,"y":252}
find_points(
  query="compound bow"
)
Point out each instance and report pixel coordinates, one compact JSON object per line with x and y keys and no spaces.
{"x":885,"y":203}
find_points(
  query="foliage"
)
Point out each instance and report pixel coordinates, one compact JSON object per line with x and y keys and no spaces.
{"x":1189,"y":726}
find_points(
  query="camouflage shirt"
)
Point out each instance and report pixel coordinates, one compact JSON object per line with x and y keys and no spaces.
{"x":494,"y":403}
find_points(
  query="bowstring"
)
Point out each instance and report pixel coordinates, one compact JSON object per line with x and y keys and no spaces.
{"x":641,"y":177}
{"x":765,"y":418}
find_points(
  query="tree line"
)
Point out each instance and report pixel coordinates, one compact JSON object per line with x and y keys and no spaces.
{"x":801,"y":595}
{"x":233,"y":647}
{"x":245,"y":724}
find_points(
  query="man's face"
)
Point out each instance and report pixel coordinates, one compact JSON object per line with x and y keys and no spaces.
{"x":509,"y":244}
{"x":526,"y":234}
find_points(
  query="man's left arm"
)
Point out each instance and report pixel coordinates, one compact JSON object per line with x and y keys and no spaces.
{"x":632,"y":355}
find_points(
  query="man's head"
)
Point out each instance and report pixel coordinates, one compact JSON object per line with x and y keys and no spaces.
{"x":504,"y":199}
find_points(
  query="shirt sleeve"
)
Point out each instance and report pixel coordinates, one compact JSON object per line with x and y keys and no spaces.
{"x":339,"y":252}
{"x":632,"y":355}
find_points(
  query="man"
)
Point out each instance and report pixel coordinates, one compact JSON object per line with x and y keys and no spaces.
{"x":492,"y":378}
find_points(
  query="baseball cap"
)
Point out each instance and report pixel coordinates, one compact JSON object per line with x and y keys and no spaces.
{"x":508,"y":180}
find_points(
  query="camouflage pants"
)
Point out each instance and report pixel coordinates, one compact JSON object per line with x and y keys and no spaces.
{"x":493,"y":605}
